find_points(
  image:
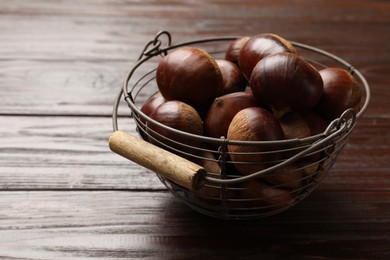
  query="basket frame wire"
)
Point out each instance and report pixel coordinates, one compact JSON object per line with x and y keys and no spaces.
{"x":331,"y":141}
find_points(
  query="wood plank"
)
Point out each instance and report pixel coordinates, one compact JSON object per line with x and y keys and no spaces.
{"x":205,"y":17}
{"x":364,"y":163}
{"x":65,"y":195}
{"x":72,"y":153}
{"x":66,"y":152}
{"x":67,"y":88}
{"x":90,"y":87}
{"x":100,"y":30}
{"x":74,"y":225}
{"x":72,"y":57}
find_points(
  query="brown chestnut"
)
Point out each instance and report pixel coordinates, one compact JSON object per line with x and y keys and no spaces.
{"x":152,"y":103}
{"x":256,"y":193}
{"x":177,"y":115}
{"x":260,"y":46}
{"x":209,"y":192}
{"x":291,"y":176}
{"x":298,"y":125}
{"x":147,"y":108}
{"x":190,"y":75}
{"x":222,"y":111}
{"x":233,"y":80}
{"x":341,"y":91}
{"x":286,"y":83}
{"x":254,"y":124}
{"x":233,"y":51}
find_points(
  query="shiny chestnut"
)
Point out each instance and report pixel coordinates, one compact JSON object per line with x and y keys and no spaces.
{"x":341,"y":91}
{"x":286,"y":83}
{"x":260,"y":46}
{"x":234,"y":48}
{"x":233,"y":79}
{"x":254,"y":124}
{"x":190,"y":75}
{"x":222,"y":111}
{"x":178,"y":115}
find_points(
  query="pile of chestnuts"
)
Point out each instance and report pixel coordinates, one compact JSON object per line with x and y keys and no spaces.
{"x":263,"y":90}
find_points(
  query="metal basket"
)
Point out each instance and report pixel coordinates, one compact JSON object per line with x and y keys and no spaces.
{"x":220,"y":191}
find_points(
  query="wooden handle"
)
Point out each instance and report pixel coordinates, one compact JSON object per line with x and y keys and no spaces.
{"x":166,"y":164}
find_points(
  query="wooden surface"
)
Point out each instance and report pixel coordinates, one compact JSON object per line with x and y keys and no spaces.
{"x":64,"y":195}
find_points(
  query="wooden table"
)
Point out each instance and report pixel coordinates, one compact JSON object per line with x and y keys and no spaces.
{"x":65,"y":195}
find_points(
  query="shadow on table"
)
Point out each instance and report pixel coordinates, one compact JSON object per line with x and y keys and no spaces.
{"x":307,"y":229}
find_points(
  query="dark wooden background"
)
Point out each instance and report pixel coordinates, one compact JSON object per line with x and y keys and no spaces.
{"x":64,"y":195}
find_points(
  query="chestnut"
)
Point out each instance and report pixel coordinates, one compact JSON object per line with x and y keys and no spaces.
{"x":209,"y":192}
{"x":233,"y":50}
{"x":341,"y":91}
{"x":298,"y":125}
{"x":233,"y":80}
{"x":254,"y":124}
{"x":147,"y":108}
{"x":222,"y":111}
{"x":286,"y":83}
{"x":291,"y":176}
{"x":152,"y":103}
{"x":177,"y":115}
{"x":260,"y":46}
{"x":190,"y":75}
{"x":256,"y":193}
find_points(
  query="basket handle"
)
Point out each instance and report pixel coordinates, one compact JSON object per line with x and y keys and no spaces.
{"x":171,"y":166}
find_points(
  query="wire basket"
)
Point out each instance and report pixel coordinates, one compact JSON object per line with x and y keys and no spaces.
{"x":199,"y":170}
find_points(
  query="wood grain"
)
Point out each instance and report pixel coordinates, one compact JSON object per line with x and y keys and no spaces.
{"x":49,"y":225}
{"x":90,"y":87}
{"x":65,"y":195}
{"x":66,"y":152}
{"x":71,"y":58}
{"x":62,"y":152}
